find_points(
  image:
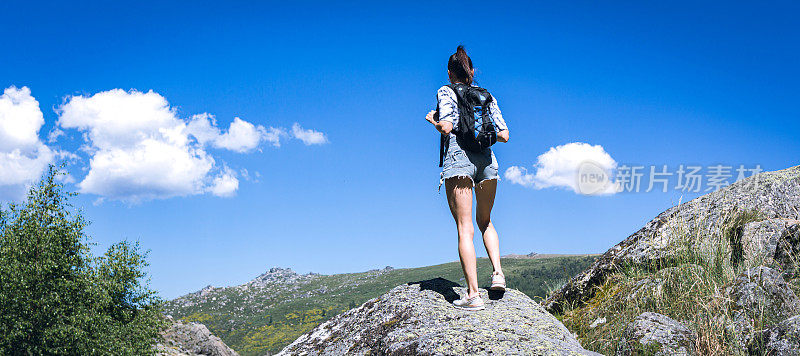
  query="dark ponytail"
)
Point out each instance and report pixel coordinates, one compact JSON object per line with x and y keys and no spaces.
{"x":460,"y":65}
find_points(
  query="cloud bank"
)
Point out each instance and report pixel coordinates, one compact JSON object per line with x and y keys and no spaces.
{"x":567,"y":166}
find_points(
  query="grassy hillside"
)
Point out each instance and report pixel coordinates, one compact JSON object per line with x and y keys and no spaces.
{"x":266,"y":314}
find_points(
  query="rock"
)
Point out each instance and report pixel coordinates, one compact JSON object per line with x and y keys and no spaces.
{"x":773,"y":194}
{"x":787,"y":254}
{"x":191,"y":339}
{"x":759,"y":295}
{"x":597,"y":322}
{"x":763,"y":289}
{"x":667,"y":278}
{"x":205,"y":291}
{"x":418,"y":319}
{"x":656,"y":334}
{"x":761,"y":241}
{"x":782,"y":340}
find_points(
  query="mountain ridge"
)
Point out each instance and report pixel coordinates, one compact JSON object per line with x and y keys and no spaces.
{"x":268,"y":312}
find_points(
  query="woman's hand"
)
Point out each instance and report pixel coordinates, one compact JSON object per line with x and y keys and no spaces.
{"x":430,"y":117}
{"x":502,"y":136}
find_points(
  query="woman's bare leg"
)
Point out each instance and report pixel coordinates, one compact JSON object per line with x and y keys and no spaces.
{"x":459,"y":198}
{"x":484,"y":194}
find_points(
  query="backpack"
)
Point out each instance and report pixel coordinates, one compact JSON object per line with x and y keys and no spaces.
{"x":474,"y":131}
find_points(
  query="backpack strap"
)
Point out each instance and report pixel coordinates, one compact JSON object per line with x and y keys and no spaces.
{"x":444,"y":140}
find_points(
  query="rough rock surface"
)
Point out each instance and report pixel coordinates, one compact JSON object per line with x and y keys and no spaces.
{"x":763,"y":289}
{"x":663,"y":279}
{"x":774,"y":194}
{"x":783,"y":339}
{"x":765,"y":242}
{"x":192,"y":339}
{"x":656,"y":334}
{"x":418,"y":319}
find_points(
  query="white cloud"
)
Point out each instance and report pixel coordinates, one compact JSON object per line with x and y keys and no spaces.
{"x":140,"y":149}
{"x":572,"y":166}
{"x":273,"y":135}
{"x":225,"y":185}
{"x":241,"y":135}
{"x":309,"y":137}
{"x":23,"y":156}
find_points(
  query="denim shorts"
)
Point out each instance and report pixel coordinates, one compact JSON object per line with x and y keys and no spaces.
{"x":478,"y":166}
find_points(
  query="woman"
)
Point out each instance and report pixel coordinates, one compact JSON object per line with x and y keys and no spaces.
{"x":464,"y":170}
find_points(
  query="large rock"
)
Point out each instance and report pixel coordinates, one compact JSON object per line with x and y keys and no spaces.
{"x":762,"y":292}
{"x":191,"y":339}
{"x":759,"y":297}
{"x":656,"y":334}
{"x":418,"y":319}
{"x":782,"y":340}
{"x":770,"y":242}
{"x":787,"y":254}
{"x":773,"y":194}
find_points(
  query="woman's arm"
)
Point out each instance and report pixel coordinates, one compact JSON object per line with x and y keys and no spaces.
{"x":442,"y":126}
{"x":498,"y":121}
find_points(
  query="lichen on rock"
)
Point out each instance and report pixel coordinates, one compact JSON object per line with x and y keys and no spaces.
{"x":419,"y":319}
{"x":656,"y":334}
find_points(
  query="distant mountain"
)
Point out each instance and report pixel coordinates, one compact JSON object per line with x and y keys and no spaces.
{"x":269,"y":312}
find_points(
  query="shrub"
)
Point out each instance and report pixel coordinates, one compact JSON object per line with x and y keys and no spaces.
{"x":55,"y":297}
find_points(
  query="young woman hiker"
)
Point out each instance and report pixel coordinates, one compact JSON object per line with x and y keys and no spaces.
{"x":466,"y":169}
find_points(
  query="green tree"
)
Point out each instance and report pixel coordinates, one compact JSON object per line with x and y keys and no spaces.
{"x":55,"y":297}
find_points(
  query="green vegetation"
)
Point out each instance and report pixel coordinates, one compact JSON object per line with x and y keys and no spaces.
{"x":254,"y":321}
{"x":689,"y":288}
{"x":55,"y":297}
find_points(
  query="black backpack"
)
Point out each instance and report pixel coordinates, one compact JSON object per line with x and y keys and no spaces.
{"x":473,"y":105}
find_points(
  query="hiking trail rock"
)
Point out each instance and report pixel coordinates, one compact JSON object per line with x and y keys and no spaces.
{"x":656,"y":334}
{"x":419,"y":319}
{"x":775,"y":195}
{"x":191,"y":339}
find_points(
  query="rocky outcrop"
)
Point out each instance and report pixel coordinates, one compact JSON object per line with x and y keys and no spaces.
{"x":759,"y":297}
{"x":761,"y":292}
{"x":774,"y":195}
{"x":280,"y":275}
{"x":418,"y":319}
{"x":191,"y":339}
{"x":656,"y":334}
{"x":782,"y":340}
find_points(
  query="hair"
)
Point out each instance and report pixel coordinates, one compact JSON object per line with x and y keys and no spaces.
{"x":460,"y":65}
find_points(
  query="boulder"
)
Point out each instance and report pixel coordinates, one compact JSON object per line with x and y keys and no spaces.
{"x":663,"y":280}
{"x":770,"y":242}
{"x":656,"y":334}
{"x":656,"y":245}
{"x":782,"y":340}
{"x":761,"y":292}
{"x":191,"y":339}
{"x":787,"y":254}
{"x":419,"y":319}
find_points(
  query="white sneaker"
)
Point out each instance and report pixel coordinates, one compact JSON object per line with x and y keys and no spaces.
{"x":474,"y":303}
{"x":498,"y":282}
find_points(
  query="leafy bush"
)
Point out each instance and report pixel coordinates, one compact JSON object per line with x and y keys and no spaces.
{"x":55,"y":297}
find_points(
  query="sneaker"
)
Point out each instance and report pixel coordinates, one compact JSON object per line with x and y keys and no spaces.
{"x":474,"y":303}
{"x":498,"y":282}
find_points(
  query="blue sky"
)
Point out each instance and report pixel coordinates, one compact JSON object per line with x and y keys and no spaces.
{"x":653,"y":84}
